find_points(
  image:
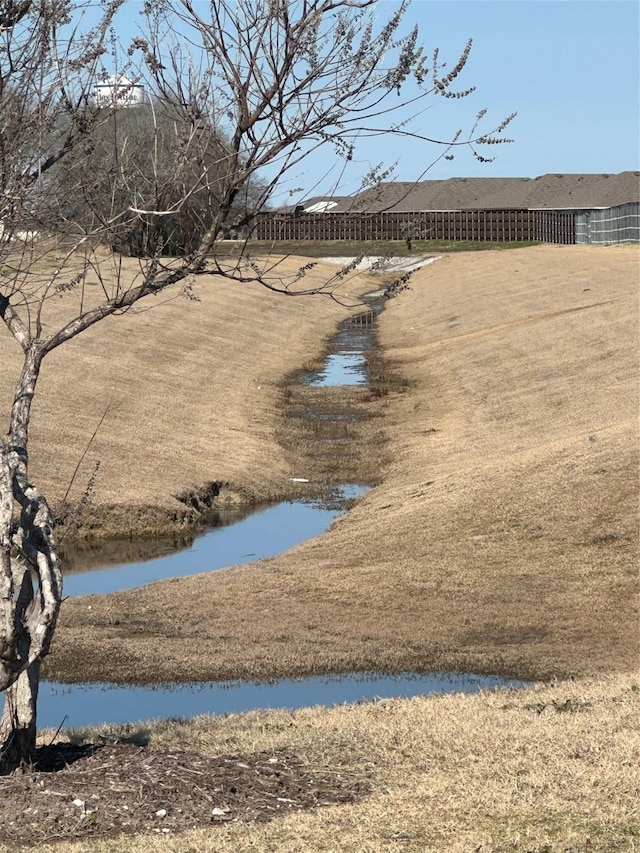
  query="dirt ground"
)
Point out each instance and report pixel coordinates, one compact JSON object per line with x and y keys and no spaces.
{"x":502,"y":532}
{"x":111,"y":789}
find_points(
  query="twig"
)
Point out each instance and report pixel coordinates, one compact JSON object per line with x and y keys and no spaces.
{"x":77,"y":468}
{"x":64,"y":719}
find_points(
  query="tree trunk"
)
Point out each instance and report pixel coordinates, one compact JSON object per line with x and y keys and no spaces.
{"x":27,"y":548}
{"x":18,"y":723}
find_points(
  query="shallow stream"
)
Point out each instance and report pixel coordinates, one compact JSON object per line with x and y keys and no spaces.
{"x":262,"y":534}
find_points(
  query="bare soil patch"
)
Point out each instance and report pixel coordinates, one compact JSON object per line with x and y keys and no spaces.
{"x":97,"y":791}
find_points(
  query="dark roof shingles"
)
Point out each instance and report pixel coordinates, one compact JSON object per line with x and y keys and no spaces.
{"x":547,"y":192}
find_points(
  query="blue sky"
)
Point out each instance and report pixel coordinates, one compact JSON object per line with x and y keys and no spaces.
{"x":570,"y":68}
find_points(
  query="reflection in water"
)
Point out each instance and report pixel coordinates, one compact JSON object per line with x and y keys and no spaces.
{"x":346,"y":362}
{"x":260,"y":535}
{"x":233,"y":537}
{"x":86,"y":556}
{"x":340,"y":368}
{"x":92,"y":704}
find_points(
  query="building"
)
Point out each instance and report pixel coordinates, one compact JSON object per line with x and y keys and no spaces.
{"x":118,"y":91}
{"x":560,"y":208}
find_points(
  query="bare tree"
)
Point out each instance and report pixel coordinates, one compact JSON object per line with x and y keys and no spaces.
{"x":257,"y":84}
{"x":147,"y":155}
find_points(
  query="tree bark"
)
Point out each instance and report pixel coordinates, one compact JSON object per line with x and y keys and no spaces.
{"x":18,"y":723}
{"x":29,"y":620}
{"x":27,"y":616}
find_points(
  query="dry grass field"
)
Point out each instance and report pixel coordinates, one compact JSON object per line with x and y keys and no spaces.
{"x":183,"y":393}
{"x":549,"y":769}
{"x":501,"y":536}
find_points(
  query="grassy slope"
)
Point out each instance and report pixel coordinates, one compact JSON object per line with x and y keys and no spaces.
{"x":187,"y":391}
{"x":508,"y":536}
{"x":504,"y":536}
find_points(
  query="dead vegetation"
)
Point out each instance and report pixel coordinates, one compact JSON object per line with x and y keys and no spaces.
{"x":502,"y":534}
{"x":183,"y":394}
{"x":111,"y":789}
{"x":335,"y":433}
{"x":546,"y":769}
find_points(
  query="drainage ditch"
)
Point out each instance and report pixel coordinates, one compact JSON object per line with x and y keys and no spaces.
{"x":327,"y":408}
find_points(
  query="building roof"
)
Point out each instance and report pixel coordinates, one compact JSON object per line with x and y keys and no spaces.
{"x":584,"y":191}
{"x":547,"y":192}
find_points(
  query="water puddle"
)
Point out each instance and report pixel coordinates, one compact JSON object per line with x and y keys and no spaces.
{"x":346,"y":362}
{"x":92,"y":704}
{"x":264,"y":533}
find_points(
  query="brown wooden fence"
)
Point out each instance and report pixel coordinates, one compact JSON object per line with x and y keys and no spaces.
{"x":490,"y":225}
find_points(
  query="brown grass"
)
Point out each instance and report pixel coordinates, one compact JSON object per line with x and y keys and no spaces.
{"x":547,"y":769}
{"x":503,"y":536}
{"x":188,"y":391}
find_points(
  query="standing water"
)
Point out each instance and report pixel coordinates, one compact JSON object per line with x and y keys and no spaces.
{"x":265,"y":533}
{"x":346,"y":363}
{"x":262,"y":534}
{"x":80,"y":705}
